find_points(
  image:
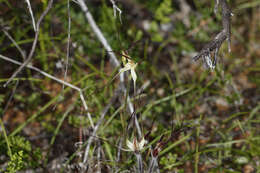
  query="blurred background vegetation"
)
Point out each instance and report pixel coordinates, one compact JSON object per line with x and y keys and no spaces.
{"x":220,"y":106}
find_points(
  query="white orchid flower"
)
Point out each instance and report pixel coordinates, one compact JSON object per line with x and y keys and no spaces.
{"x":135,"y":145}
{"x":129,"y":65}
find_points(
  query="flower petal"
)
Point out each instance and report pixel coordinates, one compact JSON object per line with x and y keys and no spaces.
{"x":133,"y":74}
{"x":126,"y":68}
{"x":130,"y":145}
{"x":141,"y":144}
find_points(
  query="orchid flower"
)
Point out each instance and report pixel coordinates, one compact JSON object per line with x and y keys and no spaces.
{"x":135,"y":145}
{"x":129,"y":65}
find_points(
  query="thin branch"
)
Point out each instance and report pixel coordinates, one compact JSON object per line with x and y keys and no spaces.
{"x":98,"y":33}
{"x":68,"y":43}
{"x":33,"y":45}
{"x":104,"y":112}
{"x":68,"y":48}
{"x":99,"y":158}
{"x":143,"y":87}
{"x":153,"y":165}
{"x":57,"y":80}
{"x":216,"y":6}
{"x":10,"y":98}
{"x":132,"y":111}
{"x":215,"y":44}
{"x":119,"y":150}
{"x":226,"y":21}
{"x":31,"y":13}
{"x":116,"y":8}
{"x":15,"y":44}
{"x":211,"y":46}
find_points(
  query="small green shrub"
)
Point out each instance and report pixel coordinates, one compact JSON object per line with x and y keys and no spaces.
{"x":23,"y":157}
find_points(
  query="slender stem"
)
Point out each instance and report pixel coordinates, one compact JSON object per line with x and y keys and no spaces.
{"x":68,"y":43}
{"x":98,"y":33}
{"x":139,"y":162}
{"x":115,"y":8}
{"x":11,"y":97}
{"x":15,"y":44}
{"x":105,"y":110}
{"x":153,"y":165}
{"x":99,"y":158}
{"x":31,"y":13}
{"x":57,"y":130}
{"x":6,"y":138}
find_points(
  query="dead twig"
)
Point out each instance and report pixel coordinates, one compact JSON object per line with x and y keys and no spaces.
{"x":104,"y":112}
{"x":99,"y":158}
{"x":31,"y":13}
{"x":26,"y":62}
{"x":10,"y":98}
{"x":215,"y":44}
{"x":15,"y":44}
{"x":68,"y":42}
{"x":116,"y":8}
